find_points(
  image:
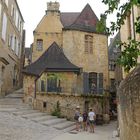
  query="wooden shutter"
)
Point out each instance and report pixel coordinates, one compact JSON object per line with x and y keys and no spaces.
{"x":100,"y":79}
{"x":85,"y":83}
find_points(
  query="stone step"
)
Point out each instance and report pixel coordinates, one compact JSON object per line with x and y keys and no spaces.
{"x":15,"y":95}
{"x":33,"y":115}
{"x":68,"y":129}
{"x":24,"y":112}
{"x":11,"y":101}
{"x":15,"y":105}
{"x":43,"y":118}
{"x":7,"y":109}
{"x":53,"y":121}
{"x":24,"y":107}
{"x":64,"y":125}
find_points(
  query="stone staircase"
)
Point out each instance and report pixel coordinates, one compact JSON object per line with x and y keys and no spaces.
{"x":13,"y":104}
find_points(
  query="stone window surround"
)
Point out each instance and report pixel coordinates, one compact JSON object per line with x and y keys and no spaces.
{"x":39,"y":44}
{"x":88,"y":44}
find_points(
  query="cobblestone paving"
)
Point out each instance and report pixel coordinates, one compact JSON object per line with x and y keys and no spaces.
{"x":17,"y":128}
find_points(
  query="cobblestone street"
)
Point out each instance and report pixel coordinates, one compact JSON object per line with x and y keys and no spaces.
{"x":17,"y":128}
{"x":19,"y":122}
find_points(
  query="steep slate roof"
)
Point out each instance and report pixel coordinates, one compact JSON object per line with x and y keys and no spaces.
{"x":86,"y":21}
{"x":53,"y":59}
{"x":68,"y":18}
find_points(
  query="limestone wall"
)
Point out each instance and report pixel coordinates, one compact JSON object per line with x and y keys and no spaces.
{"x":29,"y":88}
{"x":68,"y":103}
{"x":129,"y":106}
{"x":74,"y":49}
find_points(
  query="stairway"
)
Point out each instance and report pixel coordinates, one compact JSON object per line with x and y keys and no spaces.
{"x":13,"y":104}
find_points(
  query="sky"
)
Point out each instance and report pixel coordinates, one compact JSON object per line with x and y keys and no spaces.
{"x":33,"y":11}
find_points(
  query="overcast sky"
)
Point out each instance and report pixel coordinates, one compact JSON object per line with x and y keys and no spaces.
{"x":34,"y":10}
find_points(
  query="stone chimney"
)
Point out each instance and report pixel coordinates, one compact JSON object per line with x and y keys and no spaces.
{"x":53,"y":7}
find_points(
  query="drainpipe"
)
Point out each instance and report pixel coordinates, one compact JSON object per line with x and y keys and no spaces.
{"x":35,"y":88}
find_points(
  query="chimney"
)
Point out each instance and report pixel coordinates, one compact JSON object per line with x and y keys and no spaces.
{"x":53,"y":7}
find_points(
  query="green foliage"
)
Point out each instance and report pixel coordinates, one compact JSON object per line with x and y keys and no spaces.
{"x":137,"y":24}
{"x":57,"y":110}
{"x":129,"y":55}
{"x":101,"y":25}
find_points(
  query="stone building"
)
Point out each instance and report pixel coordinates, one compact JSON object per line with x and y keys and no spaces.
{"x":129,"y":91}
{"x":27,"y":56}
{"x":129,"y":29}
{"x":69,"y":63}
{"x":115,"y":71}
{"x":11,"y":38}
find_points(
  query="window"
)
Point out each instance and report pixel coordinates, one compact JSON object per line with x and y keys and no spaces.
{"x":42,"y":85}
{"x":112,"y":83}
{"x":112,"y":65}
{"x":88,"y":44}
{"x":51,"y":83}
{"x":16,"y":18}
{"x":4,"y":27}
{"x":13,"y":12}
{"x":2,"y":73}
{"x":15,"y":44}
{"x":39,"y":44}
{"x":19,"y":49}
{"x":96,"y":82}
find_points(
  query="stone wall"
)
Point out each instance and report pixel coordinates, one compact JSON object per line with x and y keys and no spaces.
{"x":74,"y":49}
{"x":8,"y":51}
{"x":129,"y":106}
{"x":29,"y":89}
{"x":68,"y":103}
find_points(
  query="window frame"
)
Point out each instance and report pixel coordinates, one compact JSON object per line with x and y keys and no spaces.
{"x":39,"y":44}
{"x":88,"y":44}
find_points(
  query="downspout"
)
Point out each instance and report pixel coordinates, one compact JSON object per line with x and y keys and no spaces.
{"x":35,"y":87}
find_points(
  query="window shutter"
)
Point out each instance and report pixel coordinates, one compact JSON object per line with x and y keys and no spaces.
{"x":100,"y":77}
{"x":85,"y":83}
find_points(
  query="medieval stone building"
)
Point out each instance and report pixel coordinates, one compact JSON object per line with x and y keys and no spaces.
{"x":129,"y":29}
{"x":69,"y":63}
{"x":129,"y":90}
{"x":11,"y":38}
